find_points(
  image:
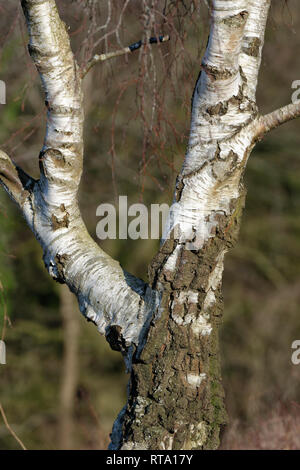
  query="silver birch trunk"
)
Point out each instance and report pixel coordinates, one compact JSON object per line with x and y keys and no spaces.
{"x":167,"y":329}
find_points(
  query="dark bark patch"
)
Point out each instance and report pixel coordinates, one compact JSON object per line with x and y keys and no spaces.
{"x":178,"y":188}
{"x":115,"y":338}
{"x":217,"y":74}
{"x":55,"y":155}
{"x":252,"y":46}
{"x":60,"y":262}
{"x":236,"y":21}
{"x":61,"y":131}
{"x":60,"y":223}
{"x":218,"y":109}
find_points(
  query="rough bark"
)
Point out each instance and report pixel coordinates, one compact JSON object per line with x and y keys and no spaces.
{"x":167,"y":330}
{"x":176,"y":395}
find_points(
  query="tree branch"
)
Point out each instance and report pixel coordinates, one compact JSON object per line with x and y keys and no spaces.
{"x":253,"y":40}
{"x":220,"y":76}
{"x":272,"y":120}
{"x":51,"y":52}
{"x":219,"y":107}
{"x":9,"y":428}
{"x":15,"y":181}
{"x":126,"y":50}
{"x":108,"y":296}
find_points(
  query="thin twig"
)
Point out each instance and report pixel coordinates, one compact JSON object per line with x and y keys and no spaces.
{"x":109,"y":55}
{"x":10,"y":429}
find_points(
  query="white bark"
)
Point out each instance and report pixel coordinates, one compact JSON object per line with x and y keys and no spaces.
{"x":223,"y":112}
{"x":225,"y":126}
{"x":107,"y":295}
{"x":223,"y":131}
{"x":253,"y":40}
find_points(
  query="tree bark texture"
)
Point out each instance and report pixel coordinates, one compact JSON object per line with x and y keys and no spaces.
{"x":167,"y":329}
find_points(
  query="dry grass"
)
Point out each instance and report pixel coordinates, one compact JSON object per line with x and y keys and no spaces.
{"x":280,"y":430}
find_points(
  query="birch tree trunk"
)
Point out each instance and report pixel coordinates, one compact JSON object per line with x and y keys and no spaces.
{"x":167,"y":329}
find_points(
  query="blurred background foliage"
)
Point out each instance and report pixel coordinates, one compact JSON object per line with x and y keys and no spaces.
{"x":137,"y":119}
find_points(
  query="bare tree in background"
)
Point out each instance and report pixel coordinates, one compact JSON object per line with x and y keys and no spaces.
{"x":167,"y":329}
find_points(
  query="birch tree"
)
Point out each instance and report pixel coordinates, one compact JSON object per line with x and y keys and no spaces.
{"x":167,"y":328}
